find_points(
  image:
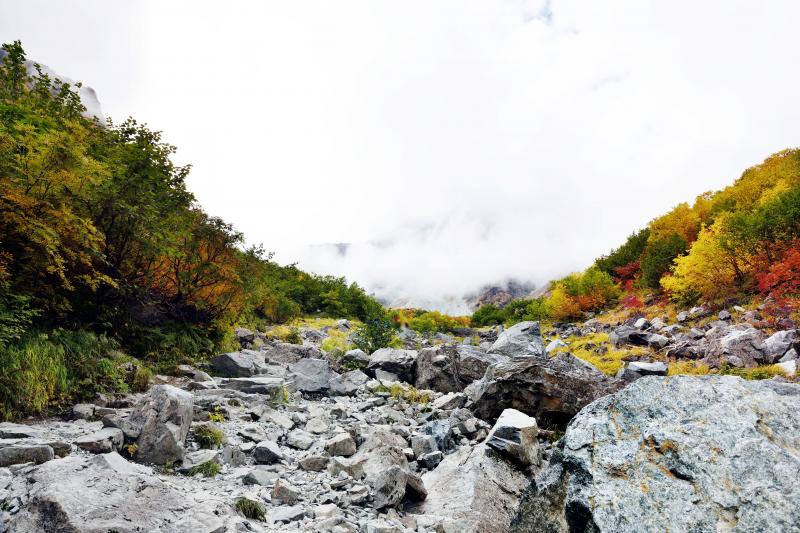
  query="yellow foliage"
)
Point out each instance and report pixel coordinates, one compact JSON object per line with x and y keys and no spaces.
{"x":691,"y":368}
{"x":609,"y":362}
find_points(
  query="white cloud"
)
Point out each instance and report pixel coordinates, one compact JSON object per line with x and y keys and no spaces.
{"x":530,"y":136}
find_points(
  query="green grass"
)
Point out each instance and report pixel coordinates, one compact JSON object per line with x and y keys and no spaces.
{"x":250,"y":509}
{"x":759,"y":372}
{"x":336,"y":343}
{"x":207,"y":469}
{"x":208,"y":437}
{"x":687,"y":368}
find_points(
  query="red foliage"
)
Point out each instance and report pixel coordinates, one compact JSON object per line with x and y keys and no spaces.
{"x":631,"y":301}
{"x":628,"y":273}
{"x":782,"y":280}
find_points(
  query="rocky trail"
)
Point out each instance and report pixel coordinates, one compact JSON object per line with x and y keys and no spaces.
{"x":503,"y":431}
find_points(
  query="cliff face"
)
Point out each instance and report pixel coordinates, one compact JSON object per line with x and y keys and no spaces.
{"x":87,"y":94}
{"x":500,"y":295}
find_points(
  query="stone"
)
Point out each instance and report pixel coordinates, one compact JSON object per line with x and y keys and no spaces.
{"x":244,"y":335}
{"x":233,"y":365}
{"x":430,"y":460}
{"x":263,"y":478}
{"x":554,"y":345}
{"x":267,"y":453}
{"x":451,"y":400}
{"x":724,"y":315}
{"x":779,"y":343}
{"x":233,"y":455}
{"x":705,"y":454}
{"x":641,"y":323}
{"x":25,"y":453}
{"x":629,"y":335}
{"x":285,"y":514}
{"x":788,"y":367}
{"x":348,"y":384}
{"x":10,"y":430}
{"x":317,"y":425}
{"x":683,"y":316}
{"x":473,"y":362}
{"x":299,"y":439}
{"x":270,"y":386}
{"x":163,"y":417}
{"x":341,"y":445}
{"x":355,"y":359}
{"x":285,"y":492}
{"x":115,"y":462}
{"x":104,"y":441}
{"x":515,"y":435}
{"x":252,"y":432}
{"x":474,"y":487}
{"x":197,"y":458}
{"x":522,"y":339}
{"x":437,"y":369}
{"x":552,"y":390}
{"x":422,"y":444}
{"x":310,"y":375}
{"x":286,"y":353}
{"x":636,"y":369}
{"x":402,"y":363}
{"x":742,"y":342}
{"x":83,"y":411}
{"x":77,"y":494}
{"x":791,"y":355}
{"x":314,"y":463}
{"x":329,"y":510}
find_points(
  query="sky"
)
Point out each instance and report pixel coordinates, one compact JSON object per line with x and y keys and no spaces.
{"x":451,"y":143}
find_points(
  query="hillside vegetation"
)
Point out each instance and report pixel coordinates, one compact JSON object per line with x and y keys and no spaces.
{"x":103,"y":251}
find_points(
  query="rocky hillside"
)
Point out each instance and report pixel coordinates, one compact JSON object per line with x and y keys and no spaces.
{"x":500,"y":430}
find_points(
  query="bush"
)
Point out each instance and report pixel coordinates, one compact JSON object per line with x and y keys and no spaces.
{"x":207,"y":469}
{"x":436,"y":322}
{"x":377,"y":332}
{"x":250,"y":509}
{"x":658,"y":257}
{"x":575,"y":294}
{"x":208,"y":436}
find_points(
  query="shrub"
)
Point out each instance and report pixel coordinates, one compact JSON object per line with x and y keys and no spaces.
{"x":337,"y":343}
{"x":376,"y":333}
{"x":208,"y":436}
{"x":436,"y":322}
{"x":250,"y":509}
{"x":658,"y":257}
{"x":488,"y":315}
{"x":207,"y":469}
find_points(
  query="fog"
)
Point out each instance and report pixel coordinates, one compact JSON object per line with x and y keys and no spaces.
{"x":452,"y":143}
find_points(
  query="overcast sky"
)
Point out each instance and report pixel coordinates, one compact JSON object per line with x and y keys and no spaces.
{"x":454,"y":143}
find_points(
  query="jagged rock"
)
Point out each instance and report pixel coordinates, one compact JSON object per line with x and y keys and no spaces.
{"x":285,"y":353}
{"x":524,"y":338}
{"x":297,"y":438}
{"x":286,"y":514}
{"x":194,"y":459}
{"x":473,"y":362}
{"x":267,"y":453}
{"x":791,"y":355}
{"x":399,"y":362}
{"x":422,"y":444}
{"x":310,"y":375}
{"x":437,"y":369}
{"x":10,"y":430}
{"x":348,"y":384}
{"x":314,"y":463}
{"x":683,"y":316}
{"x":515,"y":435}
{"x":636,"y":337}
{"x":270,"y":386}
{"x":554,"y":345}
{"x":475,"y":488}
{"x":285,"y":492}
{"x":551,"y":390}
{"x":641,"y":323}
{"x":75,"y":494}
{"x":25,"y":453}
{"x":234,"y":365}
{"x":704,"y":454}
{"x":779,"y":343}
{"x":104,"y":441}
{"x":115,"y":462}
{"x":734,"y":344}
{"x":430,"y":460}
{"x":128,"y":428}
{"x":356,"y":359}
{"x":724,"y":315}
{"x":83,"y":411}
{"x":636,"y":369}
{"x":260,"y":477}
{"x":451,"y":400}
{"x":163,"y":417}
{"x":789,"y":367}
{"x":341,"y":445}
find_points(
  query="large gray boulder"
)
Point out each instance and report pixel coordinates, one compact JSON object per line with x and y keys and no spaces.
{"x":524,"y":338}
{"x":348,"y":384}
{"x":437,"y":369}
{"x":515,"y":435}
{"x":234,"y":365}
{"x":402,"y":363}
{"x":310,"y":375}
{"x":162,"y":418}
{"x":740,"y":346}
{"x":77,"y":494}
{"x":701,"y":454}
{"x":25,"y":453}
{"x":285,"y":353}
{"x":779,"y":343}
{"x":474,"y":489}
{"x":636,"y":337}
{"x":473,"y":362}
{"x":552,"y":390}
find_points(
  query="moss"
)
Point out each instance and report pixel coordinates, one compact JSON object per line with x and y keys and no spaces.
{"x":208,"y":436}
{"x":207,"y":469}
{"x":250,"y":509}
{"x":609,"y":361}
{"x":336,"y":342}
{"x":760,"y":372}
{"x":689,"y":368}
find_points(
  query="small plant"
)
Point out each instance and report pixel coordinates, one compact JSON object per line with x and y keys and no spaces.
{"x":140,"y":378}
{"x":689,"y":368}
{"x":217,"y":416}
{"x":131,"y":449}
{"x":207,"y":469}
{"x":760,"y":372}
{"x":415,"y":395}
{"x":281,"y":397}
{"x":208,"y":436}
{"x":233,"y":402}
{"x":376,"y":333}
{"x":294,"y":336}
{"x":169,"y":467}
{"x":354,"y":365}
{"x":250,"y":509}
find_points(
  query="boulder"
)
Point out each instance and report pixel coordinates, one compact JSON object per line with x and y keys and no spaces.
{"x":704,"y":454}
{"x":106,"y":440}
{"x":269,"y":386}
{"x":77,"y":494}
{"x":310,"y":375}
{"x":25,"y":453}
{"x":636,"y":337}
{"x":552,"y":390}
{"x":347,"y":384}
{"x":267,"y":453}
{"x":473,"y":362}
{"x":355,"y":359}
{"x":233,"y":365}
{"x":779,"y":343}
{"x":740,"y":345}
{"x":341,"y":444}
{"x":515,"y":435}
{"x":162,"y":417}
{"x":636,"y":369}
{"x":285,"y":492}
{"x":524,"y":338}
{"x":437,"y":369}
{"x":402,"y":363}
{"x":286,"y":353}
{"x":475,"y":488}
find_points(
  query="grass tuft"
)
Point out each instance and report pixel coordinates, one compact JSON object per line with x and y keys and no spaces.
{"x":208,"y":436}
{"x":207,"y":469}
{"x":250,"y":509}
